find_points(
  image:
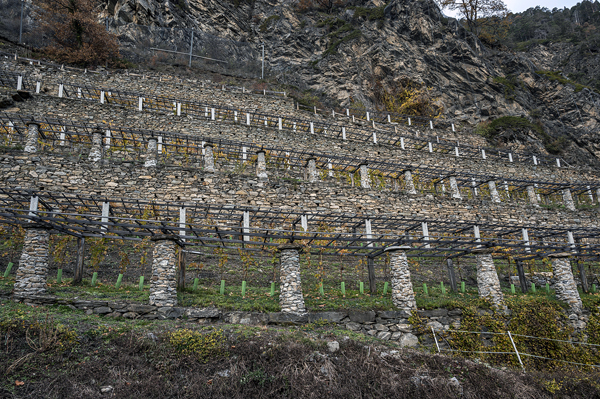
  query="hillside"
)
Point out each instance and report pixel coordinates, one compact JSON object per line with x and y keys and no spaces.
{"x":172,"y":225}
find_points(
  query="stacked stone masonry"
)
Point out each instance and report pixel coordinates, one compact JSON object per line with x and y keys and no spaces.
{"x":116,"y":179}
{"x":403,"y":295}
{"x":291,"y":299}
{"x":488,"y":284}
{"x":64,"y":173}
{"x":33,"y":265}
{"x":163,"y":285}
{"x":566,"y":289}
{"x":51,"y":107}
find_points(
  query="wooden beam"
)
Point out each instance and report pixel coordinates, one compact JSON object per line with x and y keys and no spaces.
{"x":181,"y":270}
{"x":582,"y":276}
{"x":522,"y":278}
{"x":78,"y":277}
{"x":451,"y":275}
{"x":371,"y":270}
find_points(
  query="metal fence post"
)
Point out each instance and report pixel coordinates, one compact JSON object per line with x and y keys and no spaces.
{"x":515,"y":347}
{"x":435,"y":338}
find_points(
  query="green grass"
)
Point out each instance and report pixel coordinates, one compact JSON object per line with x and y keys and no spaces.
{"x":555,"y":76}
{"x":258,"y":299}
{"x":372,"y":14}
{"x":267,"y":22}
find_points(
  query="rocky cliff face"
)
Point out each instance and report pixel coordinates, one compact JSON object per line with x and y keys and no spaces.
{"x":361,"y":50}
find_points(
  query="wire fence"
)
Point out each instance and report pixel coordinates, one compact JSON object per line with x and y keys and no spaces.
{"x":516,"y":341}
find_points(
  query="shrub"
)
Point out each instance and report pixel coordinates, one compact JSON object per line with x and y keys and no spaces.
{"x":265,"y":25}
{"x":75,"y":34}
{"x":201,"y":346}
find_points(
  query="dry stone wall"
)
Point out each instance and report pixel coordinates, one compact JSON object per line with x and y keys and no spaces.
{"x":386,"y":325}
{"x":76,"y":110}
{"x":64,"y":173}
{"x":33,"y":265}
{"x":212,"y":180}
{"x":191,"y":90}
{"x":163,"y":289}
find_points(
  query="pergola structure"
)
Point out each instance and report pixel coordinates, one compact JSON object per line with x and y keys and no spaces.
{"x":378,"y":134}
{"x":133,"y":144}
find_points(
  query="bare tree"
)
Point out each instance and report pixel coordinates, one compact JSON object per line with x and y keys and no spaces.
{"x":75,"y":33}
{"x":475,"y":11}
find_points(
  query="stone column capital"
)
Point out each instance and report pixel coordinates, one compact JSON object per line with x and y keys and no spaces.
{"x":397,"y":248}
{"x":560,"y":255}
{"x":166,"y":237}
{"x":483,"y":251}
{"x":290,"y":245}
{"x":35,"y":225}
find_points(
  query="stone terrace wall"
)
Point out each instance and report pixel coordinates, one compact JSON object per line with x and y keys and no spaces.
{"x":191,"y":91}
{"x":386,"y":325}
{"x":64,"y":173}
{"x":43,"y":106}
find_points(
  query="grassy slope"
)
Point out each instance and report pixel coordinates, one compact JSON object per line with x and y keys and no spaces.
{"x":138,"y":359}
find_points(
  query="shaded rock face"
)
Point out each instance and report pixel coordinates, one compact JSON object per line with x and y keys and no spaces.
{"x":411,"y":42}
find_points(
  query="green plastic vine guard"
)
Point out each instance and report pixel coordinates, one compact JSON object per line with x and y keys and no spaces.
{"x":548,"y":288}
{"x":59,"y":276}
{"x":119,"y":280}
{"x":195,"y":287}
{"x":321,"y":290}
{"x":594,"y":288}
{"x":8,"y":268}
{"x":425,"y":289}
{"x":361,"y":287}
{"x":533,"y":287}
{"x":272,"y":288}
{"x":512,"y":289}
{"x":385,"y":288}
{"x":443,"y":288}
{"x":243,"y":288}
{"x":222,"y":289}
{"x":343,"y":287}
{"x":141,"y":283}
{"x":463,"y":288}
{"x":94,"y":278}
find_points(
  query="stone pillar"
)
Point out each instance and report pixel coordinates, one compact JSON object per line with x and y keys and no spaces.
{"x":403,"y":295}
{"x":365,"y":181}
{"x":454,"y":188}
{"x":33,"y":264}
{"x":209,"y":159}
{"x":291,"y":299}
{"x":151,"y":153}
{"x":488,"y":283}
{"x":31,"y":140}
{"x":261,"y":167}
{"x":532,"y":196}
{"x":493,"y":191}
{"x":96,"y":150}
{"x":568,"y":199}
{"x":163,"y":284}
{"x":410,"y":184}
{"x":565,"y":286}
{"x":311,"y":170}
